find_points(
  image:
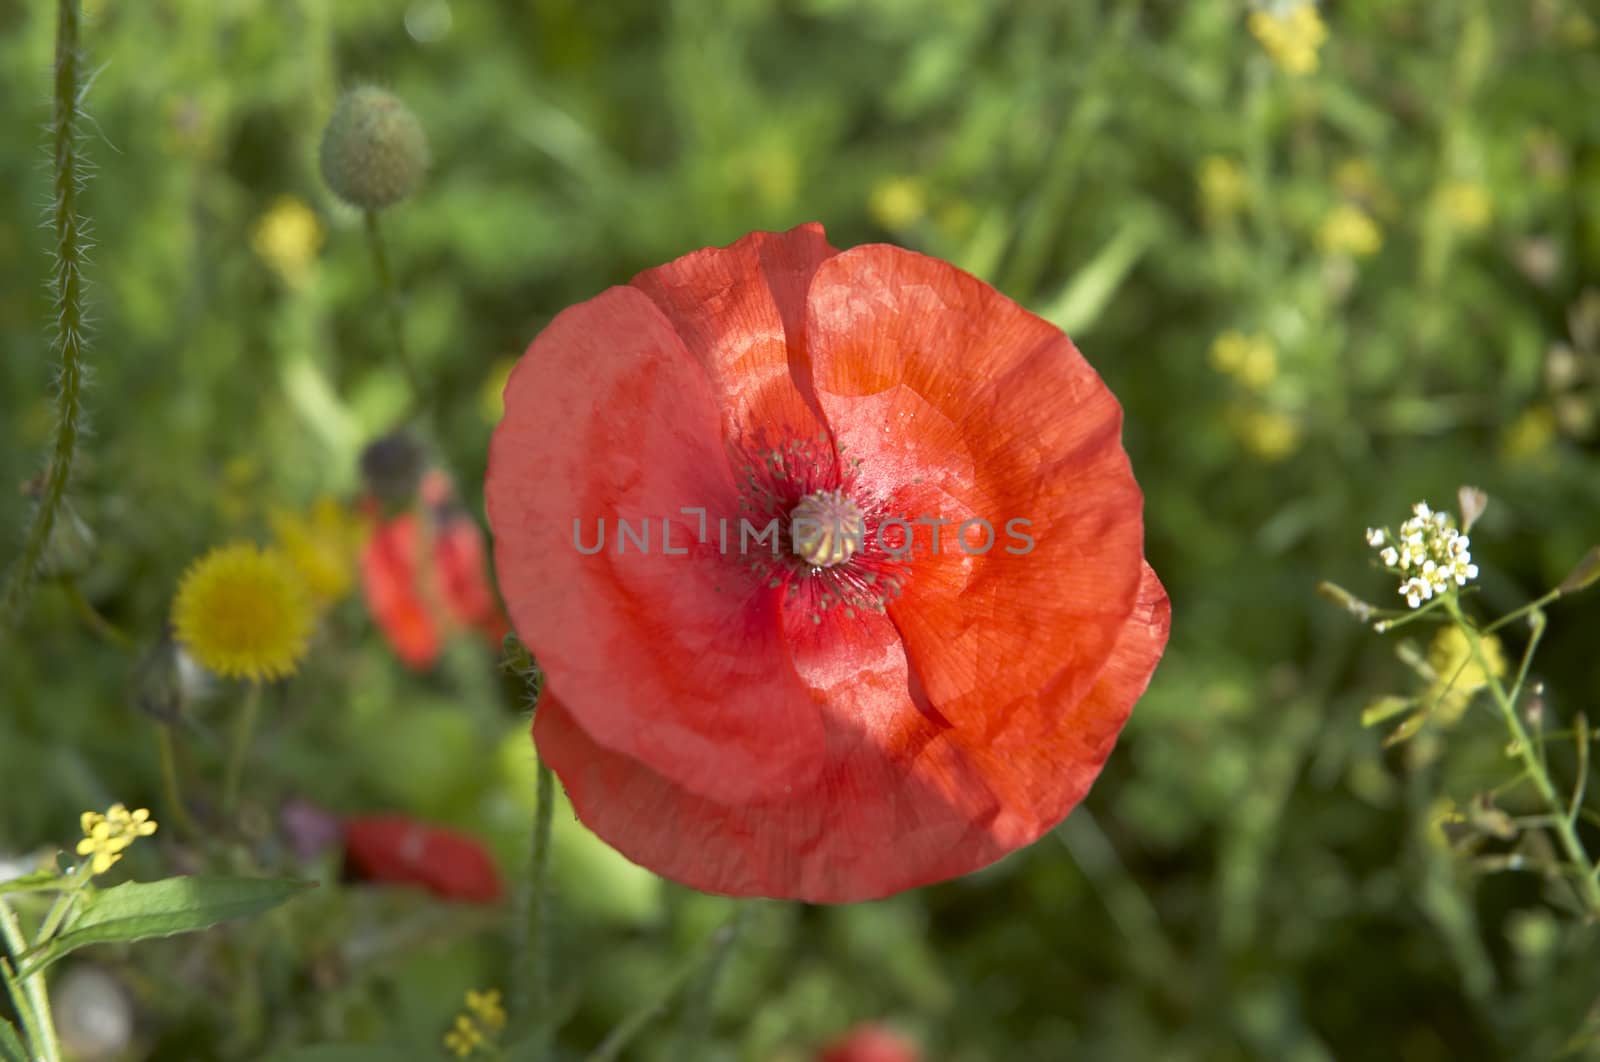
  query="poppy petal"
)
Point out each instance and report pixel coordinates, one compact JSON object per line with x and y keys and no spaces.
{"x":389,"y":583}
{"x":660,"y":646}
{"x":1003,"y":415}
{"x":397,"y":850}
{"x":872,"y":824}
{"x":741,"y":312}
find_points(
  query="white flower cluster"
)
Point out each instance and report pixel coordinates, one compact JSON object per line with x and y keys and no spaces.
{"x":1429,"y":552}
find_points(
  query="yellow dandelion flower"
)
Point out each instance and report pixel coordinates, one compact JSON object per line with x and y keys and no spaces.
{"x":322,"y":545}
{"x":1457,"y":675}
{"x":1349,"y":230}
{"x":1467,"y":205}
{"x":287,"y":238}
{"x":1291,"y":36}
{"x":1224,"y":188}
{"x":243,"y":612}
{"x":106,"y":836}
{"x":487,"y":1008}
{"x":898,"y":202}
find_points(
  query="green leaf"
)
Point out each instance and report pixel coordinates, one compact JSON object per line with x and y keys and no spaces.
{"x":1086,"y":295}
{"x":38,"y":881}
{"x":140,"y":910}
{"x":1385,"y":708}
{"x":11,"y":1049}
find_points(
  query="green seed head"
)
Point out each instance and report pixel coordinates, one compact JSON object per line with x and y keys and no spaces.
{"x":374,"y":151}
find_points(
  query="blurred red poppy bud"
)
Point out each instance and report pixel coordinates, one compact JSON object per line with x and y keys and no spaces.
{"x":374,"y":152}
{"x":397,"y":850}
{"x":421,"y":588}
{"x":871,"y":1043}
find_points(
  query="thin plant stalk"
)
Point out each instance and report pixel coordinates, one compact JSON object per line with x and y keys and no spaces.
{"x":534,"y":945}
{"x":92,"y":616}
{"x":1588,"y":887}
{"x":34,"y":1007}
{"x":71,"y":251}
{"x":171,"y":786}
{"x":391,"y":294}
{"x":694,"y":1023}
{"x":243,"y":732}
{"x":623,"y":1034}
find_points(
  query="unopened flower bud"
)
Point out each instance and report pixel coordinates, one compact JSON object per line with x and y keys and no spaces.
{"x":374,"y":151}
{"x":1585,"y":574}
{"x":392,"y":468}
{"x":165,"y":681}
{"x":1472,"y":502}
{"x":70,"y":550}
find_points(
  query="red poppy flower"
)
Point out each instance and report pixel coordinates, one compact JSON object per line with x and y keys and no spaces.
{"x":855,"y":710}
{"x":418,"y":605}
{"x":396,"y":850}
{"x":870,"y":1043}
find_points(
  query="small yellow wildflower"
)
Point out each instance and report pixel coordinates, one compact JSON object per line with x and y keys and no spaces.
{"x":1467,"y":205}
{"x":1578,"y":30}
{"x":1268,"y":434}
{"x":244,"y":612}
{"x":465,"y":1038}
{"x":287,"y":238}
{"x":1291,"y":34}
{"x":1349,"y":230}
{"x":1252,"y":359}
{"x":485,"y":1018}
{"x":1457,"y":675}
{"x":1224,"y":189}
{"x":1356,"y":178}
{"x":107,"y":836}
{"x":898,"y":202}
{"x":1530,"y":435}
{"x":488,"y":1008}
{"x":322,"y":545}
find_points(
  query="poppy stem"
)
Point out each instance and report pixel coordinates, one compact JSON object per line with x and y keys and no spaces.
{"x":391,"y":294}
{"x":67,"y":283}
{"x":533,"y":959}
{"x":694,"y":1023}
{"x":243,"y":730}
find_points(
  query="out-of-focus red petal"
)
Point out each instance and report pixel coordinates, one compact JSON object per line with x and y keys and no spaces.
{"x":464,"y":577}
{"x":870,"y":1043}
{"x":396,"y":850}
{"x":922,"y":368}
{"x":880,"y":818}
{"x":741,"y":313}
{"x":670,"y":657}
{"x":389,"y":581}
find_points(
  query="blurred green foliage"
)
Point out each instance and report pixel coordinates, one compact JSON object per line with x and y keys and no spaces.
{"x":1407,"y":233}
